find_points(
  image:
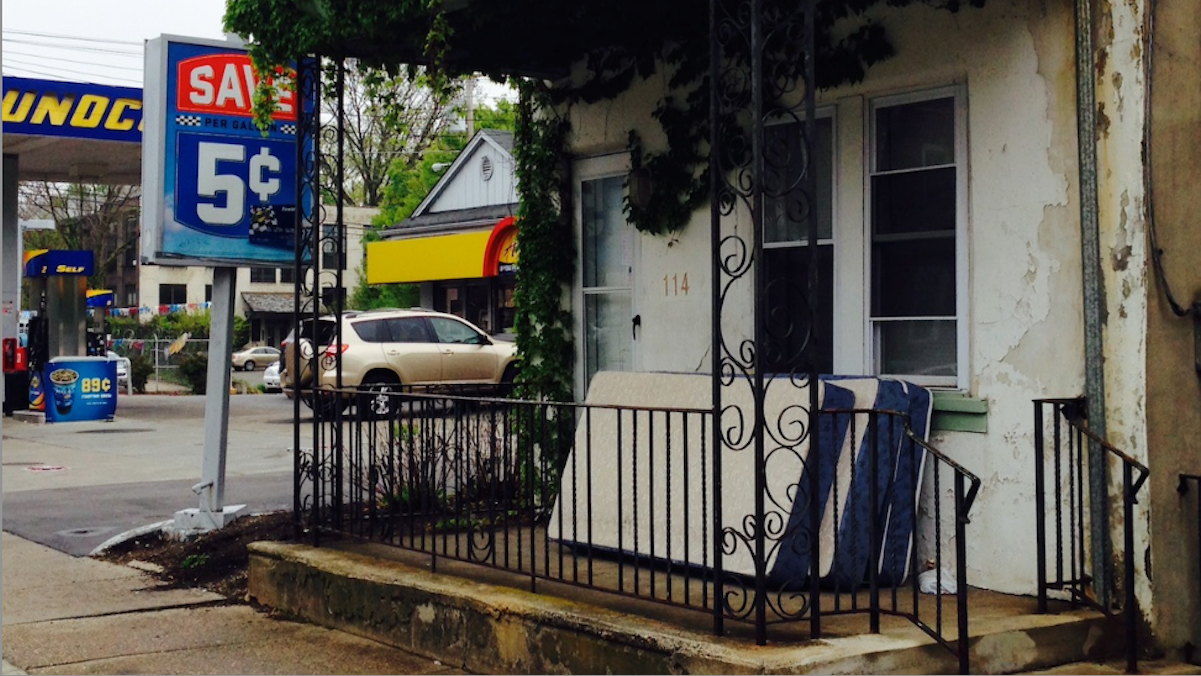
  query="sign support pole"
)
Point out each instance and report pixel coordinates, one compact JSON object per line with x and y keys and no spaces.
{"x":213,"y":513}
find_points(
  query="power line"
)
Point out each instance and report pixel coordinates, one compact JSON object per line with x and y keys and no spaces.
{"x":98,"y":64}
{"x":61,"y":36}
{"x":78,"y":48}
{"x":25,"y":64}
{"x":26,"y":71}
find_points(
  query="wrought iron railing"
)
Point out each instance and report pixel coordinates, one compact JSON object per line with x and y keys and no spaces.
{"x":1063,"y":493}
{"x":621,"y":500}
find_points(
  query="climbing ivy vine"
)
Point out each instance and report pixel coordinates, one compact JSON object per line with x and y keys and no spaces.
{"x":543,"y":325}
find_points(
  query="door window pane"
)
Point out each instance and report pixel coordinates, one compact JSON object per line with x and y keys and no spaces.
{"x":450,"y":331}
{"x":607,"y":242}
{"x":607,"y":333}
{"x":408,"y":330}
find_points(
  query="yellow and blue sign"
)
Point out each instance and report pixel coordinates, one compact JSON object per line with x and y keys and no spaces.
{"x":72,"y":109}
{"x":100,"y":298}
{"x":218,"y":191}
{"x":78,"y":389}
{"x":54,"y":262}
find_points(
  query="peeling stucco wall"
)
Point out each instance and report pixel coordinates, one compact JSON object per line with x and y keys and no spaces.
{"x":1121,"y":94}
{"x":1015,"y":61}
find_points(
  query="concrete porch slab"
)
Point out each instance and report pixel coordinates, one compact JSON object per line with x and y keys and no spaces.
{"x":494,"y":627}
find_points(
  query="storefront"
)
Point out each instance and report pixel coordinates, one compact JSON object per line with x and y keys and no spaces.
{"x":460,"y":244}
{"x":469,"y":274}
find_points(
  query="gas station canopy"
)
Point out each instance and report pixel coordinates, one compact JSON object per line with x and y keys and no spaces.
{"x":73,"y":132}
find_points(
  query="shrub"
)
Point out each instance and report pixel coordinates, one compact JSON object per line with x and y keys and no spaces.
{"x":195,"y":370}
{"x":140,"y":368}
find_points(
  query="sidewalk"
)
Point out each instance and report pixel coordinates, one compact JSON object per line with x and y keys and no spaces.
{"x":67,"y":615}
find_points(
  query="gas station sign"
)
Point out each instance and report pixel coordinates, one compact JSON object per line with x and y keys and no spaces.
{"x":219,"y":191}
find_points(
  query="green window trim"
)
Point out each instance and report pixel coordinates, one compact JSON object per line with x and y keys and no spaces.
{"x":957,"y":412}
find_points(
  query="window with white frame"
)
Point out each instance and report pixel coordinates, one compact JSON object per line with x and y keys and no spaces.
{"x":917,"y":214}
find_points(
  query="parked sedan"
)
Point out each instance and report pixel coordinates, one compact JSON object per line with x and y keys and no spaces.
{"x":251,"y":358}
{"x":123,"y":369}
{"x":271,"y":378}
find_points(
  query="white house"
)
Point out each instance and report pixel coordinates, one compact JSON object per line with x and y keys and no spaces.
{"x":956,"y":216}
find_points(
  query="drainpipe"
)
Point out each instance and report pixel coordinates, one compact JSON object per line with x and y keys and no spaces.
{"x":1094,"y":298}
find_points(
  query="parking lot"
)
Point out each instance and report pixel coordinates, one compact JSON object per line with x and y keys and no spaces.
{"x":71,"y":486}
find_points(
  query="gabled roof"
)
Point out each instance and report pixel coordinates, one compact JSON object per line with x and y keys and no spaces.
{"x":500,"y":143}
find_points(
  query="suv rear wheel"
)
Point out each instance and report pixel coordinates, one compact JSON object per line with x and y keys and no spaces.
{"x":379,"y":399}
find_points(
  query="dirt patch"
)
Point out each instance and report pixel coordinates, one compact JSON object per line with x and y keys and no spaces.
{"x":215,"y":561}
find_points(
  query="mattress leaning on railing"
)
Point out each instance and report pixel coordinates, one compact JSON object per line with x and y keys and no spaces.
{"x":639,"y":479}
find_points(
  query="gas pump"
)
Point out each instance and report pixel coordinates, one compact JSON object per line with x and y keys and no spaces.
{"x":64,"y":381}
{"x":99,"y":301}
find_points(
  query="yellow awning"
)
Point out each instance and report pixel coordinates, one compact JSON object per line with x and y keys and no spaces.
{"x":427,"y":259}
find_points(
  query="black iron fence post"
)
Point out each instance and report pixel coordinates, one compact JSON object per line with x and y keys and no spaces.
{"x":961,"y":522}
{"x":1040,"y":506}
{"x":1131,"y":609}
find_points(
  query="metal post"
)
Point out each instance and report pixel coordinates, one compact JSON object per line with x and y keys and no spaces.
{"x":213,"y":513}
{"x":1040,"y":507}
{"x":1094,"y":310}
{"x":715,"y":268}
{"x":961,"y":521}
{"x":1131,"y":609}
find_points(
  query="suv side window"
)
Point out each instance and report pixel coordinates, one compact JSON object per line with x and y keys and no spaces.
{"x":372,"y":331}
{"x":451,"y":331}
{"x":408,"y":330}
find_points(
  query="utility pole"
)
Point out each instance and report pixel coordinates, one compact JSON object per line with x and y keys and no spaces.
{"x":470,"y":103}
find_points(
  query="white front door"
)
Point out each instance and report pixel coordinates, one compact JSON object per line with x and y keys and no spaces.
{"x":608,"y":320}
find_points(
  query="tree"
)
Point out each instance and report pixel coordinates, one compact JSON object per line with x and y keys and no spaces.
{"x":99,"y":218}
{"x":389,"y":119}
{"x":408,"y":184}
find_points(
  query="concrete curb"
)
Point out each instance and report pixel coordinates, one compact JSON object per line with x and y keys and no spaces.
{"x":128,"y":535}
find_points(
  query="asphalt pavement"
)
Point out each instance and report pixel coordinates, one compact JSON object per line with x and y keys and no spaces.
{"x":70,"y":486}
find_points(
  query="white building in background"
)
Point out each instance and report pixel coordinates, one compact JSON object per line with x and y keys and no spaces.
{"x":265,"y":295}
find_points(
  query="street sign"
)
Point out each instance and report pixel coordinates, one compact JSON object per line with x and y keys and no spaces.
{"x":218,"y":191}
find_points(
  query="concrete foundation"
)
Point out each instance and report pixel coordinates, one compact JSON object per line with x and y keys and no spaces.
{"x":490,"y":628}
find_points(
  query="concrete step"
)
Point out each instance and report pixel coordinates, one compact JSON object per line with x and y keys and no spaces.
{"x":492,"y":627}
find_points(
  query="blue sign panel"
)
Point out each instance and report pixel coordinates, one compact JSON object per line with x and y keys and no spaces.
{"x":53,"y":262}
{"x":228,"y":194}
{"x":77,"y":389}
{"x":72,"y":109}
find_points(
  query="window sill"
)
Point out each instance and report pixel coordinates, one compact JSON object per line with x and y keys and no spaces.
{"x":957,"y":412}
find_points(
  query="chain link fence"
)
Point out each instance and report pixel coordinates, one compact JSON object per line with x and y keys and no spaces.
{"x":164,"y":353}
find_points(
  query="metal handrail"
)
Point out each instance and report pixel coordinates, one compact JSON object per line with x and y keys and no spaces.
{"x":1071,"y":412}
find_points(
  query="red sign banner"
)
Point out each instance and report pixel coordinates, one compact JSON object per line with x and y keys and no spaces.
{"x":223,"y":84}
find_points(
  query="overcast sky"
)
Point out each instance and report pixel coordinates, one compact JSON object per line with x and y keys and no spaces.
{"x":101,"y":40}
{"x":97,"y":40}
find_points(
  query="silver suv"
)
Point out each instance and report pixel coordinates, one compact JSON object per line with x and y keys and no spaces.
{"x":382,"y":350}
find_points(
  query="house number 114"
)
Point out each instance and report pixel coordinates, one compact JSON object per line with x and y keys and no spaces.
{"x":675,"y":285}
